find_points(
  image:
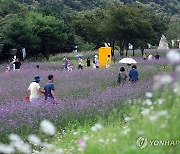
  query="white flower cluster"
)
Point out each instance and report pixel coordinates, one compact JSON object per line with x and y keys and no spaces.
{"x":126,"y":130}
{"x":145,"y":111}
{"x":107,"y":140}
{"x":4,"y":148}
{"x":173,"y":56}
{"x":147,"y":102}
{"x":161,"y":80}
{"x":176,"y":89}
{"x":163,"y":113}
{"x":34,"y":139}
{"x":96,"y":127}
{"x":47,"y":127}
{"x":18,"y":145}
{"x":85,"y":137}
{"x":126,"y":119}
{"x":149,"y":95}
{"x":159,"y":101}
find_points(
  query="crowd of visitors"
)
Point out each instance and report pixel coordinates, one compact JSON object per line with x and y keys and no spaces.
{"x":49,"y":90}
{"x":150,"y":56}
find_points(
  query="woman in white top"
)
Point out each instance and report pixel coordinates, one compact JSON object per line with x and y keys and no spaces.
{"x":150,"y":56}
{"x":35,"y":89}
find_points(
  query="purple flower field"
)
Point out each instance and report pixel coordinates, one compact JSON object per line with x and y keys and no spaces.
{"x":83,"y":94}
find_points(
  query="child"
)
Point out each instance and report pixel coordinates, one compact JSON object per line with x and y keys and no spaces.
{"x":10,"y":68}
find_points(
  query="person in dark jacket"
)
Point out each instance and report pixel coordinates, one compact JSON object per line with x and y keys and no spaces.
{"x":88,"y":62}
{"x":122,"y":76}
{"x":17,"y":64}
{"x":157,"y":56}
{"x":133,"y":74}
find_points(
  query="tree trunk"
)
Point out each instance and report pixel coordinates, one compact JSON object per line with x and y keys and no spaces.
{"x":112,"y":51}
{"x":36,"y":55}
{"x":142,"y":52}
{"x":126,"y":51}
{"x":133,"y":51}
{"x":121,"y":51}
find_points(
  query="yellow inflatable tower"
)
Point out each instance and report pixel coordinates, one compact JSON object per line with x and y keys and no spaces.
{"x":103,"y":55}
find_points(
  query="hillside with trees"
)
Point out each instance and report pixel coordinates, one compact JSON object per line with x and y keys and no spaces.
{"x":47,"y":27}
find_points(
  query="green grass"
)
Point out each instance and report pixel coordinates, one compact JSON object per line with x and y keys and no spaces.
{"x":119,"y":135}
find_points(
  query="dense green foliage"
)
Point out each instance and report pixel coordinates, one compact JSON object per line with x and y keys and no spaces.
{"x":87,"y":24}
{"x":121,"y":25}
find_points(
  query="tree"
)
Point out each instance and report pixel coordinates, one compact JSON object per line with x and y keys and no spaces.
{"x":89,"y":26}
{"x":173,"y":32}
{"x":37,"y":33}
{"x":9,"y":9}
{"x":18,"y":34}
{"x":125,"y":24}
{"x":50,"y":30}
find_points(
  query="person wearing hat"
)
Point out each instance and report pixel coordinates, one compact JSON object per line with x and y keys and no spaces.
{"x":35,"y":89}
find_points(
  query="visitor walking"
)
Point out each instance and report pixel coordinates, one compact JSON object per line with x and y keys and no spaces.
{"x":122,"y":76}
{"x":133,"y":74}
{"x":49,"y":90}
{"x":145,"y":56}
{"x":17,"y":64}
{"x":80,"y":63}
{"x":88,"y":62}
{"x":108,"y":62}
{"x":97,"y":63}
{"x":65,"y":63}
{"x":94,"y":64}
{"x":35,"y":89}
{"x":69,"y":65}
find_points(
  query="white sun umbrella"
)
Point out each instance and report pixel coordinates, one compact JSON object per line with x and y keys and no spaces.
{"x":127,"y":61}
{"x":79,"y":55}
